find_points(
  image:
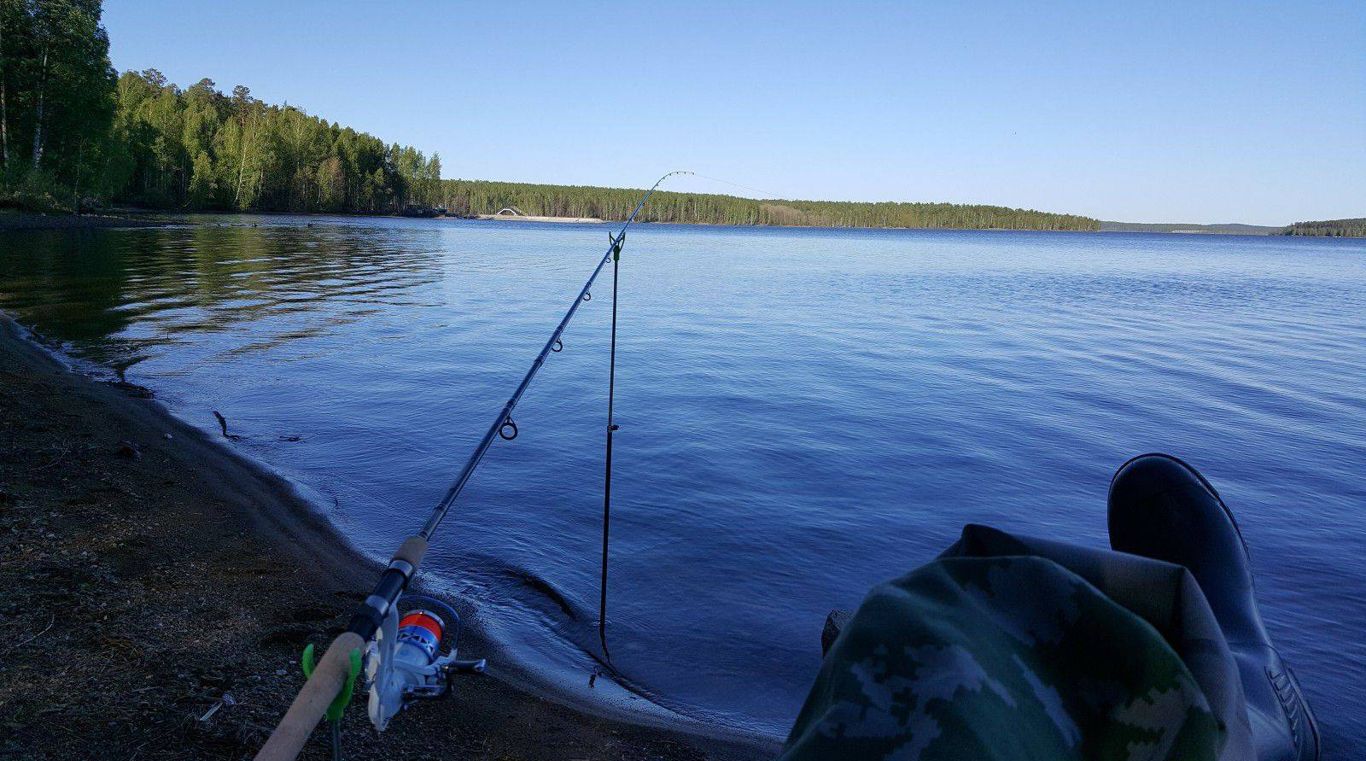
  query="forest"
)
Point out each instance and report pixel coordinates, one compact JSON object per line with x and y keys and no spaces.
{"x":199,"y":149}
{"x":75,"y":135}
{"x":56,"y":96}
{"x":1332,"y":228}
{"x":468,"y":197}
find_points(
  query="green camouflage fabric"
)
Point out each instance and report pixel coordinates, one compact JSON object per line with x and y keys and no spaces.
{"x":999,"y":651}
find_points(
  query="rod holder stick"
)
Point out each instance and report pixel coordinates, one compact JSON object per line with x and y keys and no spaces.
{"x":312,"y":701}
{"x":607,"y":455}
{"x":329,"y":676}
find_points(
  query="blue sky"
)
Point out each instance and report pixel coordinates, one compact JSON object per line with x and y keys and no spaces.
{"x":1181,"y":111}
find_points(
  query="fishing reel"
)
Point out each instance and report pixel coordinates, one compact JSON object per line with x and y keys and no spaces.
{"x":403,"y":662}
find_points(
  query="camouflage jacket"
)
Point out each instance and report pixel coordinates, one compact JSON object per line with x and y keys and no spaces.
{"x":1009,"y":647}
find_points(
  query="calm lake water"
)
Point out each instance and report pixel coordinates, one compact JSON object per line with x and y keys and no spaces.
{"x":804,"y":413}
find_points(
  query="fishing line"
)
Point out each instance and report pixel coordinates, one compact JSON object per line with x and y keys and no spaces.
{"x":395,"y":579}
{"x":329,"y":684}
{"x":767,"y":194}
{"x":503,"y":426}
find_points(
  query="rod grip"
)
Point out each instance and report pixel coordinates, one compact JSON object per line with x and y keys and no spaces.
{"x":412,"y":550}
{"x":312,"y":701}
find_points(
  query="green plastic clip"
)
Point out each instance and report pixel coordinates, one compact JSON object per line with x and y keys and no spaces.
{"x":339,"y":705}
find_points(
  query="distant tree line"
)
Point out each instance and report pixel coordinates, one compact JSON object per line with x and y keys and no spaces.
{"x":71,"y":130}
{"x":471,"y":197}
{"x":1336,"y":228}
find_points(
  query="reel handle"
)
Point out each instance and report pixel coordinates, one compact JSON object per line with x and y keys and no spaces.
{"x":469,"y":665}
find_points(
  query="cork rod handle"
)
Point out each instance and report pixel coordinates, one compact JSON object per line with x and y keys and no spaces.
{"x":312,"y":701}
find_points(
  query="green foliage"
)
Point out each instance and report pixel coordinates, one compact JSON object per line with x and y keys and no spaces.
{"x":35,"y":192}
{"x":200,"y":149}
{"x":1336,"y":228}
{"x":472,"y":197}
{"x":56,"y":98}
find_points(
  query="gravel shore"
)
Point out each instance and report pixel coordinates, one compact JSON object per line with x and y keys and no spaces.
{"x":159,"y":590}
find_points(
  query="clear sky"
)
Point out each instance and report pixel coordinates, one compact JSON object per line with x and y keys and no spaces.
{"x":1137,"y":111}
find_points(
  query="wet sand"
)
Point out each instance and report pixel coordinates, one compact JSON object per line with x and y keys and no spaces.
{"x":159,"y":589}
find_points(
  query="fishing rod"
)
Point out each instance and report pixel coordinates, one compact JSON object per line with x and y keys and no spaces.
{"x":330,"y":682}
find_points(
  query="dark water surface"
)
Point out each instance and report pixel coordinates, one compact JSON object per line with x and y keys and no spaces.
{"x":804,"y":412}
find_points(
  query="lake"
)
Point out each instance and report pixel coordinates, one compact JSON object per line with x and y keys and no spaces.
{"x":804,"y":413}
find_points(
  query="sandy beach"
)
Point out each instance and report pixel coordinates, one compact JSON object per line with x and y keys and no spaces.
{"x":159,"y":590}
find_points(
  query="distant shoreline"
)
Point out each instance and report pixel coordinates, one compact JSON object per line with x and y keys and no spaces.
{"x":535,"y":218}
{"x":32,"y":220}
{"x":139,"y":217}
{"x":1185,"y":228}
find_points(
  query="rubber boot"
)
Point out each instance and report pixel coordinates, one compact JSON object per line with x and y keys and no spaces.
{"x":1162,"y":508}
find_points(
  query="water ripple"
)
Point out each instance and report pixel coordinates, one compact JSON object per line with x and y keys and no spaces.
{"x":805,"y":413}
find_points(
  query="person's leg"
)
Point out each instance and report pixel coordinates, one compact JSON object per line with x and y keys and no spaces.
{"x":1162,"y":508}
{"x":1014,"y":656}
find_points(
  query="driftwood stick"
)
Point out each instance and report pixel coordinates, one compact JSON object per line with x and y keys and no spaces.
{"x":223,"y":423}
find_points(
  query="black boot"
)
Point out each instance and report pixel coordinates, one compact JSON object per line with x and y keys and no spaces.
{"x":1161,"y":508}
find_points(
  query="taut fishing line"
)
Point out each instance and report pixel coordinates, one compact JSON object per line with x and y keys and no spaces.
{"x":765,"y":194}
{"x":401,"y":657}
